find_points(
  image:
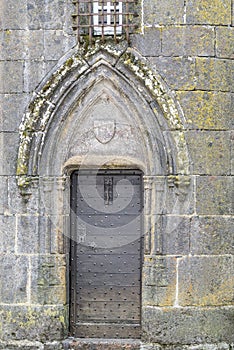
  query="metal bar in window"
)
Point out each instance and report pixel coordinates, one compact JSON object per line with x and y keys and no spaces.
{"x":103,"y":17}
{"x":90,"y":22}
{"x":115,"y":20}
{"x":103,"y":4}
{"x":127,"y":21}
{"x":78,"y":20}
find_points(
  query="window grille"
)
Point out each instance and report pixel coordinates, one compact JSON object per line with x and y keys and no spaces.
{"x":104,"y":18}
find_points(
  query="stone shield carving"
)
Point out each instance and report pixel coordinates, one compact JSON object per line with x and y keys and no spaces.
{"x":104,"y":130}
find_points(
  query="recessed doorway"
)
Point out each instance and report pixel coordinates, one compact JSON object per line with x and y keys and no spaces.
{"x":106,"y":253}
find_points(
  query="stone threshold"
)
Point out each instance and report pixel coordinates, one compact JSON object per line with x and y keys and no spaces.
{"x":101,"y":344}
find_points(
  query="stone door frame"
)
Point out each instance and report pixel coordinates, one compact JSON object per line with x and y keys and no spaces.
{"x":167,"y":180}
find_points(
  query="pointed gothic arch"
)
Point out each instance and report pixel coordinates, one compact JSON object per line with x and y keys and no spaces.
{"x":67,"y":84}
{"x":146,"y":126}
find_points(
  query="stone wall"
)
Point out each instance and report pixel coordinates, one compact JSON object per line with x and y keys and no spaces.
{"x":188,"y":294}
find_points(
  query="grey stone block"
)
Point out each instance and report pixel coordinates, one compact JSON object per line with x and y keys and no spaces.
{"x":232,"y":152}
{"x":7,"y":234}
{"x":13,"y":288}
{"x":48,"y":280}
{"x":21,"y":345}
{"x":148,"y":44}
{"x":9,"y":142}
{"x":18,"y":204}
{"x":12,"y":46}
{"x":27,"y":234}
{"x":212,"y":235}
{"x":11,"y":77}
{"x":178,"y":198}
{"x":34,"y":72}
{"x":214,"y":195}
{"x":214,"y":74}
{"x":12,"y":107}
{"x":208,"y":12}
{"x":221,"y":346}
{"x":4,"y":194}
{"x":46,"y":14}
{"x":188,"y":325}
{"x":206,"y":281}
{"x":13,"y":16}
{"x":225,"y":42}
{"x":175,"y":235}
{"x":57,"y":44}
{"x":159,"y":281}
{"x":36,"y":323}
{"x":210,"y":152}
{"x":188,"y":41}
{"x":207,"y":110}
{"x":179,"y":73}
{"x":53,"y":346}
{"x":21,"y":44}
{"x":232,"y":24}
{"x":163,"y":12}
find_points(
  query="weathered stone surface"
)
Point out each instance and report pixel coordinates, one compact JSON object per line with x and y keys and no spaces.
{"x":179,"y":73}
{"x":20,"y":44}
{"x":206,"y":281}
{"x":11,"y":76}
{"x":12,"y":16}
{"x":214,"y":195}
{"x":158,"y":12}
{"x":21,"y":345}
{"x":18,"y":204}
{"x":214,"y":74}
{"x":4,"y":194}
{"x":212,"y":235}
{"x":35,"y":34}
{"x":159,"y":281}
{"x":14,"y":273}
{"x":207,"y":110}
{"x":47,"y":15}
{"x":233,"y":24}
{"x":188,"y":325}
{"x":53,"y":346}
{"x":175,"y":235}
{"x":187,"y":41}
{"x":104,"y":344}
{"x":7,"y":234}
{"x":208,"y":12}
{"x":57,"y":44}
{"x":34,"y":72}
{"x":148,"y":44}
{"x":12,"y":107}
{"x":27,"y":234}
{"x":221,"y":346}
{"x":179,"y":198}
{"x":225,"y":42}
{"x":9,"y":144}
{"x":36,"y":323}
{"x":232,"y":152}
{"x":48,"y":276}
{"x":210,"y":152}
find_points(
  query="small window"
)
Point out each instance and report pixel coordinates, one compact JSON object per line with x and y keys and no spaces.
{"x":108,"y":15}
{"x":104,"y":18}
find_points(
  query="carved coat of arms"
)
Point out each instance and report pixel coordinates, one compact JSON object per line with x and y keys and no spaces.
{"x":104,"y":130}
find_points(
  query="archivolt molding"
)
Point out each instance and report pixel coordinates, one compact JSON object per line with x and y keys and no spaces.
{"x":80,"y":61}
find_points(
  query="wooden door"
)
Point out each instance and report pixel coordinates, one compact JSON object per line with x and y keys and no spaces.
{"x":106,"y":253}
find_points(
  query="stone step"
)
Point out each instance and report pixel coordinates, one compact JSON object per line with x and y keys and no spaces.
{"x":101,"y":344}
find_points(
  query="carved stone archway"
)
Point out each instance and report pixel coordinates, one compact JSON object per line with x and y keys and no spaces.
{"x":57,"y":135}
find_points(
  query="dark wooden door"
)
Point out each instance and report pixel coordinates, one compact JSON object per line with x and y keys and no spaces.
{"x":106,"y":259}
